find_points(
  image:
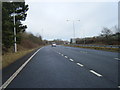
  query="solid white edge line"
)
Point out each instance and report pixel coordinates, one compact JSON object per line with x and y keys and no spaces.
{"x":95,"y":73}
{"x":17,"y":72}
{"x":71,"y":60}
{"x":80,"y":64}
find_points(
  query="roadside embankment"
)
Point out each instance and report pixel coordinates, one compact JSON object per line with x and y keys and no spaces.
{"x":27,"y":43}
{"x":10,"y":58}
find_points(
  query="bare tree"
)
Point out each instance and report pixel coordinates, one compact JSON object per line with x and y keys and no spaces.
{"x":106,"y":32}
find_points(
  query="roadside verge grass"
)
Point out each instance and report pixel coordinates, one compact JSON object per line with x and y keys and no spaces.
{"x":9,"y":58}
{"x":97,"y":48}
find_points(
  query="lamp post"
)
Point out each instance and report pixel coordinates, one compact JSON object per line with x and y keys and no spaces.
{"x":84,"y":37}
{"x":42,"y":32}
{"x":73,"y":27}
{"x":15,"y":45}
{"x":84,"y":40}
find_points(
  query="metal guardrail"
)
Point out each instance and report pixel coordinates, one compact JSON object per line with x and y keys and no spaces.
{"x":109,"y":46}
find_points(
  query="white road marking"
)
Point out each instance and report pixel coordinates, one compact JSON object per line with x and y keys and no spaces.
{"x":118,"y":86}
{"x":83,"y":51}
{"x":80,"y":64}
{"x":117,"y":58}
{"x":17,"y":72}
{"x":59,"y":53}
{"x":95,"y":73}
{"x":71,"y":60}
{"x":66,"y":57}
{"x":62,"y":55}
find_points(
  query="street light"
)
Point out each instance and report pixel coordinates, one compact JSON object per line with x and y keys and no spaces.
{"x":11,"y":1}
{"x":15,"y":45}
{"x":73,"y":26}
{"x":42,"y":32}
{"x":73,"y":41}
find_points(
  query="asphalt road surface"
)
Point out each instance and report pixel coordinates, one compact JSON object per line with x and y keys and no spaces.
{"x":69,"y":67}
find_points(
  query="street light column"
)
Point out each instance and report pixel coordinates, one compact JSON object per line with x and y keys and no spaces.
{"x":73,"y":30}
{"x":84,"y":40}
{"x":15,"y":45}
{"x":73,"y":21}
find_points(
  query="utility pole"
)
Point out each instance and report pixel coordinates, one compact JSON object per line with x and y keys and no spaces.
{"x":15,"y":44}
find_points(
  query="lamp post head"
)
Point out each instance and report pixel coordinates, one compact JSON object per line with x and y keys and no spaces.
{"x":11,"y":1}
{"x":67,"y":20}
{"x":72,"y":20}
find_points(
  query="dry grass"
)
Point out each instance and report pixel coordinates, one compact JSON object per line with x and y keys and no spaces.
{"x":9,"y":58}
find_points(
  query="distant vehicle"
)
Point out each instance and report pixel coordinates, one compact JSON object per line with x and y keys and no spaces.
{"x":53,"y":45}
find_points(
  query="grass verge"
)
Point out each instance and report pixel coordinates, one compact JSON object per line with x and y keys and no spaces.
{"x":98,"y":48}
{"x":9,"y":58}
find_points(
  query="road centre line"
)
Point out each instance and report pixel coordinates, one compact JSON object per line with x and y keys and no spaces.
{"x":71,"y":60}
{"x":66,"y":57}
{"x":117,"y":58}
{"x":62,"y":55}
{"x":17,"y":72}
{"x":80,"y":64}
{"x":99,"y":75}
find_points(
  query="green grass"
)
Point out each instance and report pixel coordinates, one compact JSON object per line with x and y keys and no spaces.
{"x":97,"y":48}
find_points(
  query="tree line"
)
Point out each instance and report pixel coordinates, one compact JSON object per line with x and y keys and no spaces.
{"x":107,"y":37}
{"x":20,"y":10}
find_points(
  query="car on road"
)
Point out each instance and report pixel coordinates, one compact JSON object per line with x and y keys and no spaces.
{"x":53,"y":45}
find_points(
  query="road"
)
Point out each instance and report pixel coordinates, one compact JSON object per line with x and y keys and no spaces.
{"x":69,"y":67}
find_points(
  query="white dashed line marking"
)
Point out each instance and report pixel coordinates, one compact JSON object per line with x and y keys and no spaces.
{"x":62,"y":55}
{"x":118,"y":86}
{"x":117,"y":58}
{"x":80,"y":64}
{"x":17,"y":72}
{"x":66,"y":57}
{"x":71,"y":60}
{"x":95,"y":73}
{"x":59,"y":53}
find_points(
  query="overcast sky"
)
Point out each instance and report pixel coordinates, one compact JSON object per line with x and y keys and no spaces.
{"x":49,"y":18}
